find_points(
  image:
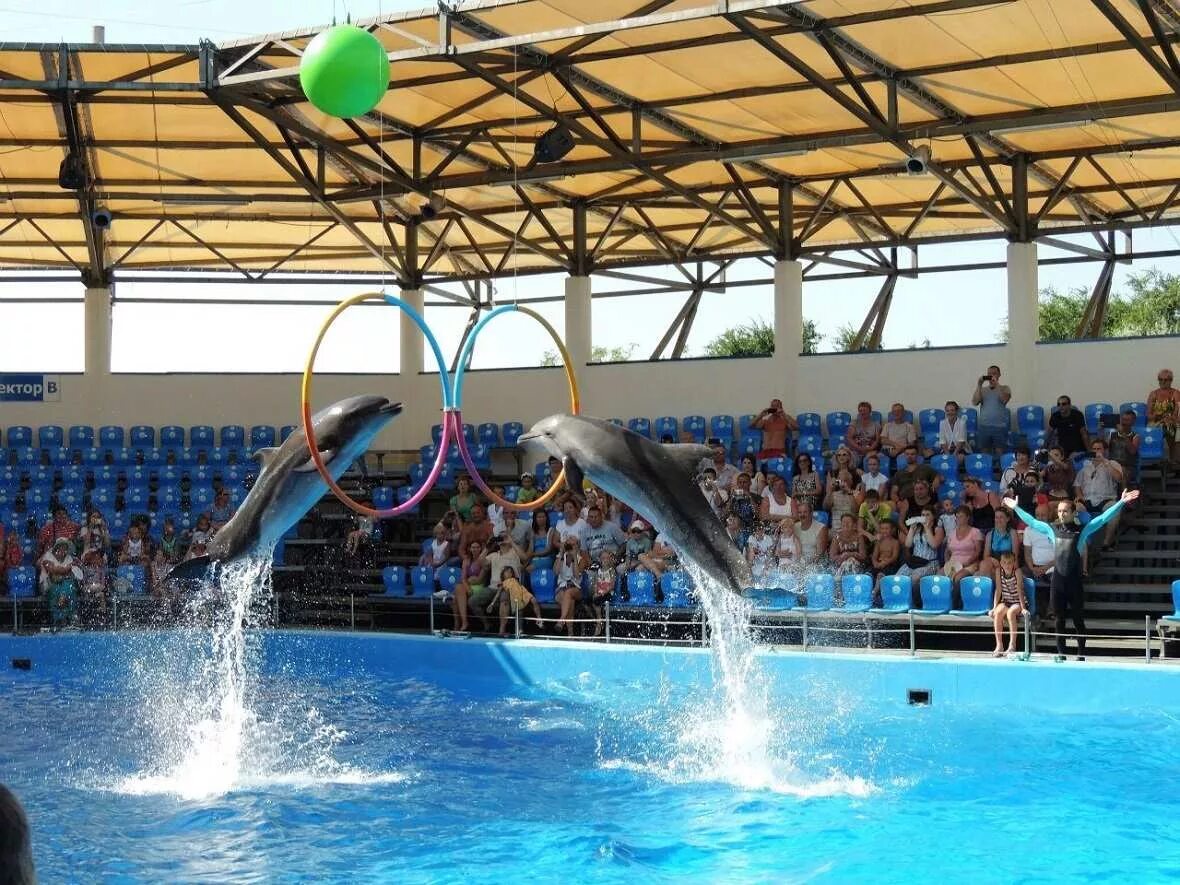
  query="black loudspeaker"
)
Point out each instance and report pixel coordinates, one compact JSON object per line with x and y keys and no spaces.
{"x":553,"y":145}
{"x":70,"y":174}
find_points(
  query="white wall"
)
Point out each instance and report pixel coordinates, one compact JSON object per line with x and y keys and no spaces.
{"x":1112,"y":371}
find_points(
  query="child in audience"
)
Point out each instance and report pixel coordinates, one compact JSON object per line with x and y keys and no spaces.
{"x":515,"y":597}
{"x":528,"y":491}
{"x":760,"y":553}
{"x":1009,"y":602}
{"x":496,"y":511}
{"x":873,"y":511}
{"x":602,"y":587}
{"x":946,"y":517}
{"x":886,"y":550}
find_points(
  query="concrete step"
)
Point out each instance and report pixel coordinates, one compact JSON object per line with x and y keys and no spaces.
{"x":1136,"y":571}
{"x":1097,"y":588}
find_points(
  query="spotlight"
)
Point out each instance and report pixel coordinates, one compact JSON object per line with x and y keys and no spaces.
{"x":432,"y":207}
{"x":916,"y":163}
{"x":70,"y":174}
{"x":553,"y":145}
{"x":101,"y":219}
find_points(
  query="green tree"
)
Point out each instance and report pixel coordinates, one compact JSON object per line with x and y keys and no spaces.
{"x":598,"y":354}
{"x":756,"y":338}
{"x":1153,"y":306}
{"x":845,"y":337}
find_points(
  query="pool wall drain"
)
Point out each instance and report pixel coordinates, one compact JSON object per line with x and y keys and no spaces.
{"x":918,"y":697}
{"x":22,"y":663}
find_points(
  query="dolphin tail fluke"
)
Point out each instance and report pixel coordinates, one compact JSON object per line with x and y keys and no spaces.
{"x":199,"y":568}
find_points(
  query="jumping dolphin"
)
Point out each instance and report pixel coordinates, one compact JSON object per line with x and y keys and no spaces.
{"x":289,"y":484}
{"x":658,"y":480}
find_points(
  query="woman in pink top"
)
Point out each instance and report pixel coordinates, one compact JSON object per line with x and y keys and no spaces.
{"x":963,"y":548}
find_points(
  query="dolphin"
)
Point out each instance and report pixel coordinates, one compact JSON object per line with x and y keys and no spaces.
{"x":289,"y":484}
{"x":658,"y":480}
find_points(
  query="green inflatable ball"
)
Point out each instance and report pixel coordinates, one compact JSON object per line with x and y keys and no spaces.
{"x":344,"y":71}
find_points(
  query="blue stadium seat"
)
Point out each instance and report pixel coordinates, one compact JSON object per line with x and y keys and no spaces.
{"x":810,"y":424}
{"x":8,"y":497}
{"x":110,"y":436}
{"x":666,"y":425}
{"x":71,"y":495}
{"x":454,"y":457}
{"x":820,"y":590}
{"x":393,"y":578}
{"x":858,"y":592}
{"x":776,"y":599}
{"x":232,"y":435}
{"x":1093,"y":411}
{"x":977,"y":596}
{"x":1140,"y":410}
{"x":237,"y":494}
{"x":947,"y":465}
{"x":383,"y":497}
{"x":930,"y":419}
{"x":285,"y":431}
{"x":819,"y":464}
{"x":136,"y":498}
{"x":10,"y":477}
{"x":201,"y":437}
{"x":168,"y":497}
{"x":38,"y":496}
{"x":745,"y":424}
{"x":778,"y":466}
{"x":837,"y":423}
{"x":103,"y":497}
{"x":1172,"y":618}
{"x":51,"y":436}
{"x":640,"y":588}
{"x":469,"y":433}
{"x":155,"y":458}
{"x":971,"y":416}
{"x":810,"y":445}
{"x":980,"y":465}
{"x":200,"y":497}
{"x":449,"y":578}
{"x":697,"y":426}
{"x":436,"y":434}
{"x":421,"y":580}
{"x":543,"y":584}
{"x":951,"y":490}
{"x":488,"y":434}
{"x":418,"y":474}
{"x":117,"y":524}
{"x":142,"y":436}
{"x":404,"y":493}
{"x":25,"y":456}
{"x":74,"y":474}
{"x":19,"y":436}
{"x":80,"y":436}
{"x":511,"y":432}
{"x":261,"y":436}
{"x":721,"y":426}
{"x":749,"y":444}
{"x":22,"y":582}
{"x":59,"y":456}
{"x":1151,"y":445}
{"x":1037,"y":439}
{"x":1007,"y":460}
{"x":447,"y":477}
{"x":935,"y":591}
{"x":41,"y":475}
{"x":1030,"y":418}
{"x":93,"y":456}
{"x":642,"y":426}
{"x":201,"y":474}
{"x":677,"y":589}
{"x":172,"y":436}
{"x":130,"y":581}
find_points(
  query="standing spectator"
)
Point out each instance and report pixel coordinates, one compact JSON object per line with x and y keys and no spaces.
{"x":775,"y":425}
{"x":1098,"y":485}
{"x":464,"y":500}
{"x":726,"y":473}
{"x":864,"y":433}
{"x":806,"y":486}
{"x":60,"y":526}
{"x":776,"y":503}
{"x":813,"y":537}
{"x":847,"y":550}
{"x":1163,"y":410}
{"x":758,"y":479}
{"x":496,"y":511}
{"x":1123,"y":447}
{"x":1068,"y":425}
{"x":952,"y":433}
{"x":514,"y":598}
{"x":898,"y":434}
{"x":994,"y":418}
{"x":600,"y":536}
{"x":528,"y":491}
{"x":1059,"y":475}
{"x":503,"y":553}
{"x":603,"y":582}
{"x":60,"y":574}
{"x":1021,"y":479}
{"x":742,"y":504}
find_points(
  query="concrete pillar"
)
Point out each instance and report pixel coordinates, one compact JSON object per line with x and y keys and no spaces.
{"x":578,"y":334}
{"x":788,"y":332}
{"x":412,"y":341}
{"x":1020,"y":371}
{"x":98,"y":332}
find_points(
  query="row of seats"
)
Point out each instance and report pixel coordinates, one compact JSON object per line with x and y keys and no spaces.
{"x":93,"y":457}
{"x":492,"y":435}
{"x":129,"y":580}
{"x":135,"y":496}
{"x":110,"y":475}
{"x":856,"y":591}
{"x":81,"y":436}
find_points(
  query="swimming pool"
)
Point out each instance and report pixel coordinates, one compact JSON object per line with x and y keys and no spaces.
{"x":382,"y":758}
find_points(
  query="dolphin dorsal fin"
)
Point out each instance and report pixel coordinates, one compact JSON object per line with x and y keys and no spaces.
{"x":265,"y":455}
{"x":687,"y":455}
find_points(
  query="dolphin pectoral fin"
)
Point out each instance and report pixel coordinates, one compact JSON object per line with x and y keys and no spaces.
{"x":198,"y":568}
{"x":264,"y":455}
{"x":573,"y":475}
{"x":308,"y":466}
{"x":688,"y":456}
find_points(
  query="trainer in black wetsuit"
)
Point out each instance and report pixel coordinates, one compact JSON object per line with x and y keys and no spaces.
{"x":1065,"y":582}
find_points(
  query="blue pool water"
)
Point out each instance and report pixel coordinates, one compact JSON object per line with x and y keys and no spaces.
{"x":368,"y":758}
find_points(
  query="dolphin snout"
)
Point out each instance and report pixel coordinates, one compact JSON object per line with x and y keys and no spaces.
{"x":391,"y":409}
{"x":528,"y":437}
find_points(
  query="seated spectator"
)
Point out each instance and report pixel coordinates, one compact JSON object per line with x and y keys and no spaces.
{"x":844,"y":462}
{"x":520,"y":531}
{"x":982,"y":504}
{"x":757,"y":478}
{"x":60,"y":526}
{"x":95,"y":543}
{"x":726,"y":472}
{"x":904,"y":480}
{"x":166,"y":558}
{"x":847,"y":550}
{"x":545,"y":539}
{"x":599,"y":536}
{"x":952,"y":433}
{"x":660,"y":558}
{"x":995,"y":419}
{"x":612,"y":510}
{"x":60,"y":576}
{"x":1067,"y":426}
{"x":198,"y":538}
{"x":898,"y":434}
{"x":528,"y":491}
{"x":776,"y":503}
{"x":571,"y":524}
{"x":638,"y":544}
{"x":360,"y":534}
{"x":1163,"y":410}
{"x":496,"y":511}
{"x":667,"y":439}
{"x":1021,"y":480}
{"x":1098,"y":486}
{"x":921,"y":496}
{"x":735,"y":533}
{"x":760,"y":553}
{"x":1123,"y":447}
{"x":741,"y":503}
{"x":806,"y":485}
{"x":788,"y":550}
{"x":436,"y":550}
{"x":502,"y":553}
{"x":964,"y":546}
{"x":514,"y":598}
{"x":136,"y":550}
{"x":775,"y":425}
{"x":872,"y":480}
{"x":464,"y":499}
{"x":1040,"y":554}
{"x":840,"y":496}
{"x":603,"y":582}
{"x":1009,"y":602}
{"x":222,"y":510}
{"x":1058,"y":475}
{"x":477,"y":528}
{"x":714,"y":494}
{"x":886,"y":557}
{"x":864,"y":433}
{"x":1001,"y":539}
{"x":873,"y":512}
{"x":453,"y":527}
{"x":923,"y":539}
{"x":472,"y":590}
{"x":813,"y":537}
{"x":568,"y":568}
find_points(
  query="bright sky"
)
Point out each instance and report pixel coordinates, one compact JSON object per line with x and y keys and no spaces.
{"x":947,"y":308}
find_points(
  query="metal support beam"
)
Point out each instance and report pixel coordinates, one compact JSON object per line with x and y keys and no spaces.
{"x":1094,"y":317}
{"x":1131,"y":35}
{"x":868,"y":337}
